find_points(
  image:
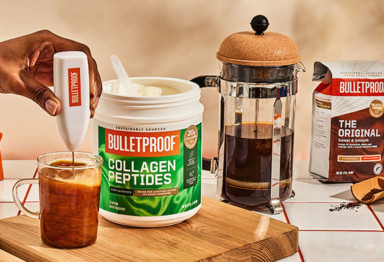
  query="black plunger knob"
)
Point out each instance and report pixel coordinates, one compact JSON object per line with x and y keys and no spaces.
{"x":259,"y":23}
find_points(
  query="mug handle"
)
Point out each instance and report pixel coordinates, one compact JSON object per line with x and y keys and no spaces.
{"x":15,"y":194}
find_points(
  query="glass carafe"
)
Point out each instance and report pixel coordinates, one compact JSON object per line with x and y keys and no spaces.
{"x":257,"y":86}
{"x":256,"y":131}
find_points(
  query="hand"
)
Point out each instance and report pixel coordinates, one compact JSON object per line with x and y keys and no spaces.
{"x":26,"y":68}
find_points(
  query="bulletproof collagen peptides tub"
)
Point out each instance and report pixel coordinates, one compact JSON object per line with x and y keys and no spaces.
{"x":151,"y":146}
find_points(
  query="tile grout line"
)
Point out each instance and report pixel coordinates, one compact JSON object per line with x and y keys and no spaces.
{"x":341,"y":230}
{"x":331,"y":230}
{"x":285,"y":214}
{"x":27,"y":193}
{"x":12,"y":202}
{"x":377,"y":219}
{"x":301,"y":255}
{"x":286,"y":218}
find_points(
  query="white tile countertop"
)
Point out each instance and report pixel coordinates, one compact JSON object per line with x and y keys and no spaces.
{"x":345,"y":235}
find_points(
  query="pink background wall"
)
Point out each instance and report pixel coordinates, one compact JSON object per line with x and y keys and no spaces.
{"x":180,"y":39}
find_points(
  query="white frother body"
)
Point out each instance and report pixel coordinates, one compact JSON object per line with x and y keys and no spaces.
{"x":71,"y":84}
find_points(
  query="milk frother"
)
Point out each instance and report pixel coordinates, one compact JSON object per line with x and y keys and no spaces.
{"x":71,"y":84}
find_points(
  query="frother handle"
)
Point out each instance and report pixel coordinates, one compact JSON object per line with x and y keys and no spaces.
{"x":206,"y":81}
{"x":71,"y":81}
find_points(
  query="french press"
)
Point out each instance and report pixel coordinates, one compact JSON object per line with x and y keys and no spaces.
{"x":257,"y":84}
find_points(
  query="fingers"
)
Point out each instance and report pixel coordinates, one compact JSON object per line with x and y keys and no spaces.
{"x":95,"y":85}
{"x":53,"y":43}
{"x":95,"y":88}
{"x":41,"y":94}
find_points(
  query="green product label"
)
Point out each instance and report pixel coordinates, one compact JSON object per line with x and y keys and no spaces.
{"x":150,"y":173}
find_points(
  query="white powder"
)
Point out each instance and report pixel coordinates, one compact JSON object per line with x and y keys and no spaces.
{"x":116,"y":88}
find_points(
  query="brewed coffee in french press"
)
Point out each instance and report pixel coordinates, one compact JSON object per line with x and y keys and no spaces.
{"x":257,"y":86}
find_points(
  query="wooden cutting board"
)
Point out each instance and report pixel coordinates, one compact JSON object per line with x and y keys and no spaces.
{"x":6,"y":257}
{"x":217,"y":232}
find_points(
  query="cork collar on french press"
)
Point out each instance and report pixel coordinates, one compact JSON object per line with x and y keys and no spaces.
{"x":259,"y":48}
{"x":258,"y":64}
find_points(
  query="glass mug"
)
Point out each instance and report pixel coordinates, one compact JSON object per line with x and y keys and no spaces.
{"x":69,"y":198}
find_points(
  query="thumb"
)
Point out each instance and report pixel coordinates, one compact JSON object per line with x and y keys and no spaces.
{"x":42,"y":95}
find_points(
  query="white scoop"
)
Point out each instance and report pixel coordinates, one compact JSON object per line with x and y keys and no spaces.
{"x":125,"y":81}
{"x":71,"y":84}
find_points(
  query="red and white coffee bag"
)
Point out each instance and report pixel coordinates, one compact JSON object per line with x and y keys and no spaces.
{"x":347,"y":121}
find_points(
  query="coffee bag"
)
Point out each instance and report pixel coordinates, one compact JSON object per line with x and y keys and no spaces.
{"x":347,"y":121}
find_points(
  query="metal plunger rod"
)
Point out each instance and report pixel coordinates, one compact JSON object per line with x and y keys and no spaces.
{"x":257,"y":115}
{"x":238,"y":116}
{"x":73,"y":164}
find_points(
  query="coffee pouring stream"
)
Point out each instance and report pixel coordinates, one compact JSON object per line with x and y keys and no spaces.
{"x":71,"y":84}
{"x":257,"y":86}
